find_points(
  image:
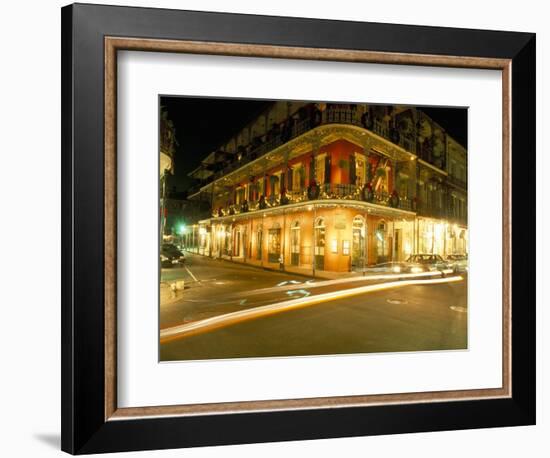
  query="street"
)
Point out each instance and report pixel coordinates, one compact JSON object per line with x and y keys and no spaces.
{"x":416,"y":317}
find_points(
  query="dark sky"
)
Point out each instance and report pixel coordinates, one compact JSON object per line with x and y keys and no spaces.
{"x":202,"y":124}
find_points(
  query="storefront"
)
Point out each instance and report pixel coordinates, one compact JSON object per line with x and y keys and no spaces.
{"x":332,"y":236}
{"x":441,"y":237}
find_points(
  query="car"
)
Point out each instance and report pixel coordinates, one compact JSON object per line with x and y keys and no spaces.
{"x":397,"y":268}
{"x":170,"y":255}
{"x":458,"y":262}
{"x":429,"y":261}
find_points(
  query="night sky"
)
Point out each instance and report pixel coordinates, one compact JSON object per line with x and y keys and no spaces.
{"x":202,"y":124}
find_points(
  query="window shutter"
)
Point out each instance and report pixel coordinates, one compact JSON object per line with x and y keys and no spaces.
{"x":289,"y":179}
{"x":327,"y":168}
{"x":352,"y":170}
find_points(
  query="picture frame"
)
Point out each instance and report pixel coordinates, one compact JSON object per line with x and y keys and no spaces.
{"x":91,"y":37}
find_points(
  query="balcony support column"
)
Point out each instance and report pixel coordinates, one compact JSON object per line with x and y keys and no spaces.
{"x":365,"y":243}
{"x":393,"y":176}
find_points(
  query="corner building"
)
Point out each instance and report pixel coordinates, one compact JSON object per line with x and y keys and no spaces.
{"x":334,"y":187}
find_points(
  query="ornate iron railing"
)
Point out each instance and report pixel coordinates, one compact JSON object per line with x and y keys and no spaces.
{"x":323,"y":192}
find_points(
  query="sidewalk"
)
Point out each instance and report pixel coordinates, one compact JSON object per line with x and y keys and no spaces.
{"x":303,"y":271}
{"x":168,"y":295}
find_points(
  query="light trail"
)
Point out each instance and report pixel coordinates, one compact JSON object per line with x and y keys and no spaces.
{"x":309,"y":284}
{"x":227,"y":319}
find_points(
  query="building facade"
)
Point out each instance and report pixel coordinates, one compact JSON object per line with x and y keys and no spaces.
{"x":334,"y":187}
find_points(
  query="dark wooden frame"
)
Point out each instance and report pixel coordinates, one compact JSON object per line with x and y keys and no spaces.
{"x":91,"y":34}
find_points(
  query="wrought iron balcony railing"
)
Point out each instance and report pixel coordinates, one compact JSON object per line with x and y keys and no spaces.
{"x":319,"y":193}
{"x":273,"y":139}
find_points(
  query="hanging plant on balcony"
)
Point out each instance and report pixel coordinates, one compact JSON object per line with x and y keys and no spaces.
{"x":394,"y":199}
{"x":406,"y":125}
{"x":262,"y":203}
{"x":380,"y":172}
{"x":368,"y":193}
{"x":284,"y":198}
{"x":244,"y":206}
{"x":313,"y":191}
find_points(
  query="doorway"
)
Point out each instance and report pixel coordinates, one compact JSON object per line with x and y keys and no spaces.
{"x":295,"y":244}
{"x":320,"y":233}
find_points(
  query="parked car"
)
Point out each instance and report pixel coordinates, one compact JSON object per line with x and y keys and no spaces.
{"x":170,"y":255}
{"x":429,"y":261}
{"x":458,"y":262}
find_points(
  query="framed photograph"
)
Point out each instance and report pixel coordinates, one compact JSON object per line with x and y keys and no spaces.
{"x":284,"y":228}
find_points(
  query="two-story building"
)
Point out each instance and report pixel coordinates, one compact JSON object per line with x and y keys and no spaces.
{"x":334,"y":187}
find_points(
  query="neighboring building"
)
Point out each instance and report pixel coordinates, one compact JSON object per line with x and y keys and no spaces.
{"x":334,"y":187}
{"x":167,"y":143}
{"x":180,"y":214}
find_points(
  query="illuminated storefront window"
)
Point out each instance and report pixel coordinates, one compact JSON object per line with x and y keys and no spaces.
{"x":381,"y":243}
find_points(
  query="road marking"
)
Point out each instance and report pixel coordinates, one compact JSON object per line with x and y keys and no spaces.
{"x":289,"y":282}
{"x":302,"y":292}
{"x":227,"y":319}
{"x":397,"y":301}
{"x":190,"y":273}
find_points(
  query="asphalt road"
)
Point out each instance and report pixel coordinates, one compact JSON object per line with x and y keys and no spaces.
{"x":220,"y":288}
{"x":409,"y":318}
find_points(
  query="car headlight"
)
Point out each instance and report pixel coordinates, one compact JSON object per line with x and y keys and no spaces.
{"x":416,"y":270}
{"x":396,"y":269}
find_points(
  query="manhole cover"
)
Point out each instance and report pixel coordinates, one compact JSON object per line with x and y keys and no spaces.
{"x":396,"y":301}
{"x":458,"y":309}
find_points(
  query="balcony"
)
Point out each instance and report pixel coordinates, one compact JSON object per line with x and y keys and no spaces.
{"x":293,"y":128}
{"x":322,"y":192}
{"x":457,"y":182}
